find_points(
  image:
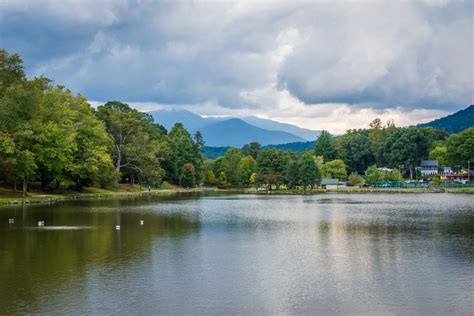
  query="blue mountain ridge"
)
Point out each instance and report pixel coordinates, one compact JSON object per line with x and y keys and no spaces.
{"x":226,"y":131}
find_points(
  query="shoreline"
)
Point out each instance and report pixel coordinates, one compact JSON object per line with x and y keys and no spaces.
{"x":53,"y":198}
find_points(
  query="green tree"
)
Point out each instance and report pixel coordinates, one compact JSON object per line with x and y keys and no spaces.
{"x":335,"y":169}
{"x":26,"y":168}
{"x":222,"y":179}
{"x":210,"y":178}
{"x":325,"y":146}
{"x":91,"y":163}
{"x":271,"y":166}
{"x":460,"y":147}
{"x":393,"y":175}
{"x":309,"y":173}
{"x":11,"y":71}
{"x":253,"y":178}
{"x":439,"y":153}
{"x":356,"y":150}
{"x":188,"y":176}
{"x":372,"y":174}
{"x":231,"y":163}
{"x":183,"y":150}
{"x":208,"y":170}
{"x":247,"y":167}
{"x":292,"y":172}
{"x":138,"y":145}
{"x":21,"y":114}
{"x":408,"y":146}
{"x":378,"y":135}
{"x":355,"y":179}
{"x":7,"y":158}
{"x":251,"y":149}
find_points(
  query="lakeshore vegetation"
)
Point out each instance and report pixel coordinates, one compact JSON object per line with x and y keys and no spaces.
{"x":56,"y":139}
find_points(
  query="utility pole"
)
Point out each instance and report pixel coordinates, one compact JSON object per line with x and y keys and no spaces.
{"x":400,"y":178}
{"x":469,"y":170}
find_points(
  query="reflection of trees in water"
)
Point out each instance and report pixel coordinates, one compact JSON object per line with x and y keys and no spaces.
{"x":34,"y":261}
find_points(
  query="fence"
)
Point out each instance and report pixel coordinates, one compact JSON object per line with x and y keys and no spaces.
{"x":413,"y":185}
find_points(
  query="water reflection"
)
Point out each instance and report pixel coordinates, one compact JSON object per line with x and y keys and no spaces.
{"x":37,"y":261}
{"x":241,"y":254}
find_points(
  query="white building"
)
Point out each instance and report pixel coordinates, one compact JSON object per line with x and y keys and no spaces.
{"x":429,"y":167}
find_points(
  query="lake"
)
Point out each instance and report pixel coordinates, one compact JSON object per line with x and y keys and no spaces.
{"x":241,"y":254}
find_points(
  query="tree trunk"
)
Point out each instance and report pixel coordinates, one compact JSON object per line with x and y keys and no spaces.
{"x":119,"y":160}
{"x":25,"y":187}
{"x":14,"y":184}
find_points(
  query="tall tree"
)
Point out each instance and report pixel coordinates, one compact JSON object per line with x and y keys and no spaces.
{"x":183,"y":150}
{"x":309,"y":172}
{"x":439,"y":153}
{"x":356,"y":150}
{"x":271,"y":166}
{"x":292,"y":172}
{"x":251,"y":149}
{"x":461,"y":147}
{"x":11,"y":71}
{"x":247,"y":167}
{"x":187,"y":176}
{"x":325,"y":146}
{"x":231,"y":165}
{"x":137,"y":143}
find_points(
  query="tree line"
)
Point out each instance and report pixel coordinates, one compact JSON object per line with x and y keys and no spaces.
{"x":349,"y":156}
{"x":51,"y":136}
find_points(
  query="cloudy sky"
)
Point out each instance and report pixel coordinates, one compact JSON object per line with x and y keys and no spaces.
{"x":317,"y":64}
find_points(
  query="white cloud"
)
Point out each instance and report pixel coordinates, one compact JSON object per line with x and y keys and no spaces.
{"x":303,"y":62}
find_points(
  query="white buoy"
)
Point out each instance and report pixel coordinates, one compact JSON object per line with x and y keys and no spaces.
{"x":117,"y":227}
{"x":141,"y":223}
{"x":11,"y":221}
{"x":41,"y":223}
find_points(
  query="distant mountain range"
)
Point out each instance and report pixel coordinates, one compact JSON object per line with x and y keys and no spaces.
{"x":455,"y":122}
{"x":226,"y":131}
{"x":221,"y":133}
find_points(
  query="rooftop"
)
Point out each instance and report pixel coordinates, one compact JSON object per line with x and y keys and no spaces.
{"x":328,"y":181}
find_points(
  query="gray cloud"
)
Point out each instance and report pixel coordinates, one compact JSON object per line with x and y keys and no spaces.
{"x":244,"y":54}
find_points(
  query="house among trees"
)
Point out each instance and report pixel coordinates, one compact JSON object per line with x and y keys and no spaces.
{"x":329,"y":184}
{"x":429,"y":167}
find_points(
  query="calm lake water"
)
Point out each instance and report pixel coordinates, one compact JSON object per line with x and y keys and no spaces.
{"x":241,"y":254}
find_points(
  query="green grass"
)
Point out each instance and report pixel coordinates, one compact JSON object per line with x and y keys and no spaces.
{"x":168,"y":186}
{"x":6,"y":193}
{"x":96,"y":190}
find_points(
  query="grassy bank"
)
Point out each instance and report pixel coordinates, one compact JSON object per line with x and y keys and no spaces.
{"x":9,"y":197}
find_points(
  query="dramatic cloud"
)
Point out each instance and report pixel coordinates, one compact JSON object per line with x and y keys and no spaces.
{"x":300,"y":62}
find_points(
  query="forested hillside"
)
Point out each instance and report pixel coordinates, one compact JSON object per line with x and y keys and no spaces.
{"x":455,"y":122}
